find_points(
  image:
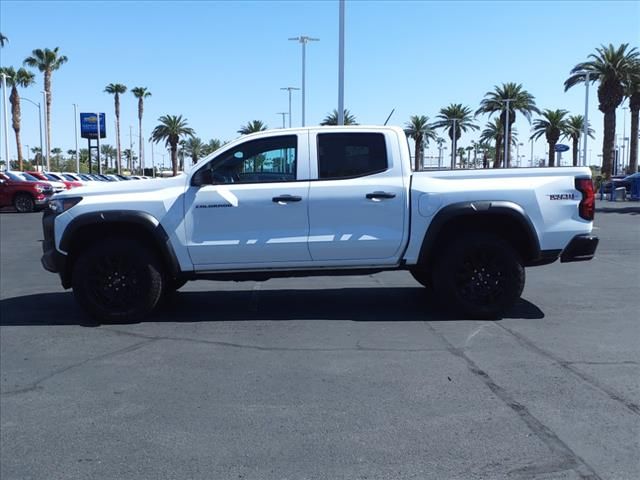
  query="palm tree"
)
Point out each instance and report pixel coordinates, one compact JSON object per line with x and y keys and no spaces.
{"x":632,"y":90}
{"x":140,"y":93}
{"x":171,"y":129}
{"x":460,"y":116}
{"x":421,"y":131}
{"x":194,"y":148}
{"x":552,"y":125}
{"x":3,"y":40}
{"x":332,"y":118}
{"x":108,"y":153}
{"x":211,"y":146}
{"x":519,"y":101}
{"x":575,"y":128}
{"x":611,"y":67}
{"x":21,"y":78}
{"x":253,"y":127}
{"x":493,"y":133}
{"x":56,"y":155}
{"x":116,"y":89}
{"x":46,"y":61}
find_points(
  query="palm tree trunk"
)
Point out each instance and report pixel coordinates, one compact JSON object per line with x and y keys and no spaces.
{"x":140,"y":164}
{"x":608,"y":151}
{"x":47,"y":89}
{"x":575,"y":139}
{"x":418,"y":153}
{"x":496,"y":161}
{"x":552,"y":154}
{"x":633,"y":145}
{"x":15,"y":117}
{"x":174,"y":158}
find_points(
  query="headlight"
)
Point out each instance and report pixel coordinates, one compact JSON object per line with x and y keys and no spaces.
{"x":40,"y":188}
{"x":60,"y":205}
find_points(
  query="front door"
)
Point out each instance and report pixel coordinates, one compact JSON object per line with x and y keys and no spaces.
{"x":254,"y":212}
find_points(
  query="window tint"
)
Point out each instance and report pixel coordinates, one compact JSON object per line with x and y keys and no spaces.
{"x":344,"y":155}
{"x":266,"y":160}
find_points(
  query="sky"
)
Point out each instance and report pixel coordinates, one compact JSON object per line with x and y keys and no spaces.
{"x":221,"y":64}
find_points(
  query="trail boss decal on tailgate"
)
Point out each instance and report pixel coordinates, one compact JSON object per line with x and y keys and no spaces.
{"x":561,"y":196}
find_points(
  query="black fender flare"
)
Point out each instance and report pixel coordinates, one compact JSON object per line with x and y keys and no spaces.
{"x":476,"y":209}
{"x":143,"y":219}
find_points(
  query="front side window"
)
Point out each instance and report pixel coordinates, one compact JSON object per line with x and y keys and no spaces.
{"x":348,"y":155}
{"x":259,"y":161}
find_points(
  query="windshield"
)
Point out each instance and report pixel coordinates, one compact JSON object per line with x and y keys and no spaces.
{"x":21,"y":177}
{"x":51,"y":177}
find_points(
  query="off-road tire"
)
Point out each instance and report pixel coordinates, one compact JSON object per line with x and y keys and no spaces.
{"x":23,"y":203}
{"x":480,"y":274}
{"x":117,"y":280}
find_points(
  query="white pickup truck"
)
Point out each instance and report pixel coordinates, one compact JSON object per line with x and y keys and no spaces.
{"x":317,"y":201}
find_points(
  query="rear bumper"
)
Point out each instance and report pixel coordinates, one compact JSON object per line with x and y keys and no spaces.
{"x":580,"y":249}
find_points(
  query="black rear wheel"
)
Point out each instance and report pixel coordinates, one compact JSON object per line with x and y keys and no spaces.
{"x":117,"y":279}
{"x":481,"y":275}
{"x":23,"y":203}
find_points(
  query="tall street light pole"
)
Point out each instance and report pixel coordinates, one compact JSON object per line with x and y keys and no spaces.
{"x":284,"y":114}
{"x":303,"y":39}
{"x":341,"y":65}
{"x":454,"y":143}
{"x":585,"y":132}
{"x":75,"y":122}
{"x":289,"y":89}
{"x":46,"y":131}
{"x":39,"y":122}
{"x":5,"y":120}
{"x":506,"y":133}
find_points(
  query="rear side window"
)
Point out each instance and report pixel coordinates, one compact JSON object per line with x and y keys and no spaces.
{"x":348,"y":155}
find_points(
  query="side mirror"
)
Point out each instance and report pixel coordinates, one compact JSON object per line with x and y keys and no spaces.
{"x":202,"y":177}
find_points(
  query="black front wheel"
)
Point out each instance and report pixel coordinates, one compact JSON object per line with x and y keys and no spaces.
{"x":479,"y":274}
{"x":117,"y":280}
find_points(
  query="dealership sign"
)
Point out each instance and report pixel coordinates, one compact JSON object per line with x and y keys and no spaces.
{"x":89,"y":125}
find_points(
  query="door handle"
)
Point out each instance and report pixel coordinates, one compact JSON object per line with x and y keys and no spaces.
{"x":286,"y":198}
{"x":379,"y":195}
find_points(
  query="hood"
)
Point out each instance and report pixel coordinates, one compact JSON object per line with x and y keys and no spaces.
{"x":131,"y":186}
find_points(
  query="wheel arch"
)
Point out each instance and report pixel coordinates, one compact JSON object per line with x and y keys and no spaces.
{"x":504,"y":218}
{"x":87,"y":228}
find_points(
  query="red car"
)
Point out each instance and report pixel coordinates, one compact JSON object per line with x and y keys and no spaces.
{"x":24,"y":195}
{"x":47,"y":177}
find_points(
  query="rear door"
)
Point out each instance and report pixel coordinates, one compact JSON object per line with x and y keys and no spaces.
{"x":358,"y":203}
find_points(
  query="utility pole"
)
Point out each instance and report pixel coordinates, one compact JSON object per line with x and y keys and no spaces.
{"x":341,"y":65}
{"x":75,"y":122}
{"x":284,"y":114}
{"x":303,"y":39}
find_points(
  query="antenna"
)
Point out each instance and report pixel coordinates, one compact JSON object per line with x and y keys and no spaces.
{"x":387,"y":120}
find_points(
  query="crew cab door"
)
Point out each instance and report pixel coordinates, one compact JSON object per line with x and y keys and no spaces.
{"x":358,"y":200}
{"x":251,"y":211}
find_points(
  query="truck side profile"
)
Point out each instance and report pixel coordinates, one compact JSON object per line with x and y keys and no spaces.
{"x":318,"y":201}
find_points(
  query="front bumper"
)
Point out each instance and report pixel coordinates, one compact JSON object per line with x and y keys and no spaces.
{"x":580,"y":249}
{"x":52,"y":260}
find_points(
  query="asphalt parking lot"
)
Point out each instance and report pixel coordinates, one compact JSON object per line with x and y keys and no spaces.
{"x":325,"y":378}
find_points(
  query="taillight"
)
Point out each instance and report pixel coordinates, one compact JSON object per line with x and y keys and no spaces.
{"x":587,"y":206}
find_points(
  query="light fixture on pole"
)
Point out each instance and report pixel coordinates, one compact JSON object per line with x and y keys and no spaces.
{"x":284,"y":114}
{"x":289,"y":89}
{"x":520,"y":144}
{"x":303,"y":39}
{"x":39,"y":122}
{"x":75,"y":122}
{"x":341,"y":64}
{"x":46,"y":130}
{"x":5,"y":120}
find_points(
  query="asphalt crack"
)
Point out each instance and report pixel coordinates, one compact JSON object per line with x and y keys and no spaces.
{"x":569,"y":460}
{"x":37,"y":384}
{"x":590,"y":380}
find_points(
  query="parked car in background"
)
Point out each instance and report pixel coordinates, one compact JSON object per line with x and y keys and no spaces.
{"x":58,"y":185}
{"x":24,"y":195}
{"x":614,"y":182}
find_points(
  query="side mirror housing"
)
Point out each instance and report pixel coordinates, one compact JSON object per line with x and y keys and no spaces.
{"x":202,"y":177}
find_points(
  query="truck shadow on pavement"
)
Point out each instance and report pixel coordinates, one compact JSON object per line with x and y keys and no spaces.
{"x":350,"y":304}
